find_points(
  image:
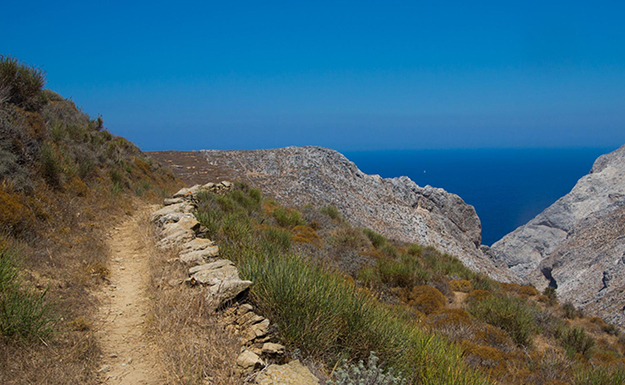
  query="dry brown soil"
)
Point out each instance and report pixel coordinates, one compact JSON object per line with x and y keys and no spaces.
{"x":129,"y":355}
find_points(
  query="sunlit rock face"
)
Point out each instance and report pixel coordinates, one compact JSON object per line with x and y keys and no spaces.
{"x":578,"y":244}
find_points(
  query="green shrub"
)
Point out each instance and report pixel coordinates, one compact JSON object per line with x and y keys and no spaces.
{"x":551,"y":295}
{"x":278,"y":236}
{"x":51,"y":165}
{"x":570,"y":311}
{"x":24,"y":313}
{"x":21,"y":84}
{"x":414,"y":250}
{"x":371,"y":374}
{"x":512,"y":314}
{"x":331,"y":211}
{"x":288,"y":218}
{"x":376,"y":239}
{"x":576,"y":341}
{"x":407,"y":272}
{"x":600,"y":376}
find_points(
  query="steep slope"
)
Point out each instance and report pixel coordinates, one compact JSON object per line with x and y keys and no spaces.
{"x":578,"y":244}
{"x":398,"y":208}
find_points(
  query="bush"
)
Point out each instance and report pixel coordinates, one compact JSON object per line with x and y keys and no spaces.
{"x":288,"y":218}
{"x":600,"y":376}
{"x":528,"y":291}
{"x":461,"y":285}
{"x":21,"y":84}
{"x":24,"y":313}
{"x":414,"y":250}
{"x":551,"y":296}
{"x":576,"y":341}
{"x":570,"y":311}
{"x":332,"y":212}
{"x":372,"y":374}
{"x":514,"y":315}
{"x":426,"y":299}
{"x":377,"y":240}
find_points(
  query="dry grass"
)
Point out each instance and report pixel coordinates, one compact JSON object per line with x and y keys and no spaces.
{"x":194,"y":346}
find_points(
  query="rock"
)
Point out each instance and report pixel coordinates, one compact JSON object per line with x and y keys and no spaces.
{"x":244,"y":309}
{"x":172,"y":201}
{"x":199,"y":257}
{"x":572,"y":243}
{"x":175,"y":236}
{"x":248,"y":361}
{"x":183,"y":207}
{"x":197,"y":244}
{"x":249,"y":318}
{"x":214,"y":273}
{"x":293,"y":373}
{"x":261,"y":329}
{"x":271,"y":348}
{"x":397,"y":208}
{"x":226,"y":291}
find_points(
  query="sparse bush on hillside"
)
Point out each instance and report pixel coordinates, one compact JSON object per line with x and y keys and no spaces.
{"x":551,"y":297}
{"x":24,"y":313}
{"x":576,"y":341}
{"x":600,"y":376}
{"x":21,"y":84}
{"x":288,"y":218}
{"x":331,"y":211}
{"x":570,"y":311}
{"x":377,"y":240}
{"x":510,"y":313}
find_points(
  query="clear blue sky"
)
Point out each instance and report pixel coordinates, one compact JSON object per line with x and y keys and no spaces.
{"x":348,"y":75}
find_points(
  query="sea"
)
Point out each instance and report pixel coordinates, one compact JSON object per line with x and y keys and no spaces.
{"x":507,"y":187}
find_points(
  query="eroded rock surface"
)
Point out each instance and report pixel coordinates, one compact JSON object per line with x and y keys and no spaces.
{"x":397,"y":208}
{"x":578,"y":244}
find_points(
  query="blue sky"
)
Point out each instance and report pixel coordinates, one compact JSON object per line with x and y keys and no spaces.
{"x":347,"y":75}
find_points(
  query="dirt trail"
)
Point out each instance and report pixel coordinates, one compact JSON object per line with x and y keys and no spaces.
{"x":129,"y":356}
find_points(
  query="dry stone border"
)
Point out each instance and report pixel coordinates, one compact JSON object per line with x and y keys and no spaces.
{"x":219,"y":278}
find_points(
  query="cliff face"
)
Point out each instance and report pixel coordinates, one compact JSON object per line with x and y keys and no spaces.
{"x":397,"y":208}
{"x":578,"y":243}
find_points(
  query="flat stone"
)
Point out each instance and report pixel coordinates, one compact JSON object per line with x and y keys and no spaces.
{"x":199,"y":257}
{"x":219,"y":264}
{"x":227,"y":291}
{"x":172,"y":201}
{"x":271,"y":348}
{"x":293,"y":373}
{"x":248,"y":361}
{"x":244,"y":308}
{"x":249,"y":318}
{"x":261,"y":329}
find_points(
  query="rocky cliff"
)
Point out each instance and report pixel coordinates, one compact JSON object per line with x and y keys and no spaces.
{"x":397,"y":208}
{"x":578,"y":244}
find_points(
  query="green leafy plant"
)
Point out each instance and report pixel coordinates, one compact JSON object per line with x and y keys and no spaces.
{"x":370,"y":374}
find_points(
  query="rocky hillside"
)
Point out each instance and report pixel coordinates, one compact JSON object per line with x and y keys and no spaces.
{"x":577,"y":245}
{"x":397,"y":208}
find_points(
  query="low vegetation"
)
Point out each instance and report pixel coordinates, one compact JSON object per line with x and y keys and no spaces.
{"x":63,"y":179}
{"x":340,"y":293}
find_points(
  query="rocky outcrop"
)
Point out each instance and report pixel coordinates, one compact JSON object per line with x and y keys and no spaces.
{"x":578,"y":244}
{"x":397,"y":208}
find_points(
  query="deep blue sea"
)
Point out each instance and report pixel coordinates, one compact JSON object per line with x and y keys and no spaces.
{"x":507,"y":187}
